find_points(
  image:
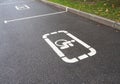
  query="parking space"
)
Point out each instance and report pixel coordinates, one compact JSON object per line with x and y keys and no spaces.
{"x":13,"y":11}
{"x":60,"y":48}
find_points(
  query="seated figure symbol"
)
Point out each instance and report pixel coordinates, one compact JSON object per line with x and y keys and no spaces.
{"x":61,"y":44}
{"x":64,"y":44}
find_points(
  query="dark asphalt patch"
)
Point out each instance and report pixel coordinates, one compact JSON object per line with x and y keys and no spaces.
{"x":25,"y":58}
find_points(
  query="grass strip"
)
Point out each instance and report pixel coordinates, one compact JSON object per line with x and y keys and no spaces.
{"x":100,"y":8}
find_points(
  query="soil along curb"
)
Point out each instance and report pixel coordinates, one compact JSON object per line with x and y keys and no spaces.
{"x":92,"y":17}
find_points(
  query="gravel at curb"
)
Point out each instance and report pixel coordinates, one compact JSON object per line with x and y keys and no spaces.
{"x":92,"y":17}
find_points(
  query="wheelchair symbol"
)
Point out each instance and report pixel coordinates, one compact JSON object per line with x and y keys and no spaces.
{"x":65,"y":44}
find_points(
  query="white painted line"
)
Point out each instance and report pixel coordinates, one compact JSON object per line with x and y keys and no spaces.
{"x":56,"y":42}
{"x":16,"y":7}
{"x":59,"y":53}
{"x":67,"y":60}
{"x":92,"y":52}
{"x":5,"y":21}
{"x":62,"y":31}
{"x":66,"y":9}
{"x":45,"y":36}
{"x":83,"y":57}
{"x":25,"y":18}
{"x":68,"y":44}
{"x":54,"y":33}
{"x":22,"y":7}
{"x":27,"y":6}
{"x":78,"y":40}
{"x":17,"y":2}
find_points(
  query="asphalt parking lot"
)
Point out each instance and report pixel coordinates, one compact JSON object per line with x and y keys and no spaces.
{"x":41,"y":44}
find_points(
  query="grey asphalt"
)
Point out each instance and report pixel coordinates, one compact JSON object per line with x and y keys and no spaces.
{"x":25,"y":57}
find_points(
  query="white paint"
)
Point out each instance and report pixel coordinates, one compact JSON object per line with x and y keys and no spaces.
{"x":59,"y":53}
{"x":78,"y":40}
{"x":5,"y":21}
{"x":67,"y":44}
{"x":27,"y":6}
{"x":54,"y":33}
{"x":62,"y":31}
{"x":22,"y":7}
{"x":62,"y":40}
{"x":83,"y":57}
{"x":17,"y":2}
{"x":17,"y":7}
{"x":67,"y":9}
{"x":70,"y":44}
{"x":45,"y":36}
{"x":67,"y":60}
{"x":72,"y":40}
{"x":25,"y":18}
{"x":93,"y":52}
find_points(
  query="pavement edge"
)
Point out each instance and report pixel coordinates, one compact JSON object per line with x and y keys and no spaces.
{"x":92,"y":17}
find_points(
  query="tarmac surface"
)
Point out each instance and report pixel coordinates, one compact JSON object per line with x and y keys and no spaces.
{"x":41,"y":44}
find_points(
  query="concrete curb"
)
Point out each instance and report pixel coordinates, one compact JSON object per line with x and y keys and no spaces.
{"x":92,"y":17}
{"x":117,"y":26}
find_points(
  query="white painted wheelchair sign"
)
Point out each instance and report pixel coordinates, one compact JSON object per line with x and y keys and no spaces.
{"x":62,"y":44}
{"x":22,"y":7}
{"x":65,"y":44}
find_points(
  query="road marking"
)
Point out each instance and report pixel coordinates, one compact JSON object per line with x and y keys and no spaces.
{"x":65,"y":44}
{"x":54,"y":33}
{"x":17,"y":2}
{"x":67,"y":60}
{"x":60,"y":54}
{"x":79,"y":41}
{"x":22,"y":7}
{"x":67,"y":9}
{"x":83,"y":57}
{"x":68,"y":44}
{"x":93,"y":51}
{"x":25,"y":18}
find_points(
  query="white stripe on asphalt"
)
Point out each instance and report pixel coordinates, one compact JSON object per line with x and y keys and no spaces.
{"x":67,"y":9}
{"x":54,"y":33}
{"x":83,"y":57}
{"x":17,"y":2}
{"x":78,"y":40}
{"x":67,"y":60}
{"x":93,"y":52}
{"x":59,"y":53}
{"x":25,"y":18}
{"x":55,"y":46}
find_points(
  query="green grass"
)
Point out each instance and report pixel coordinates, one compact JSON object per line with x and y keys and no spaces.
{"x":100,"y":8}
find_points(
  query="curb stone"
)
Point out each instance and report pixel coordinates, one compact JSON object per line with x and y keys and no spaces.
{"x":92,"y":17}
{"x":102,"y":20}
{"x":117,"y":25}
{"x":80,"y":13}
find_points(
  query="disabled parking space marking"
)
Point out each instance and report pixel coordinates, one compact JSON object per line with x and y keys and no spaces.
{"x":22,"y":7}
{"x":17,"y":2}
{"x":68,"y":44}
